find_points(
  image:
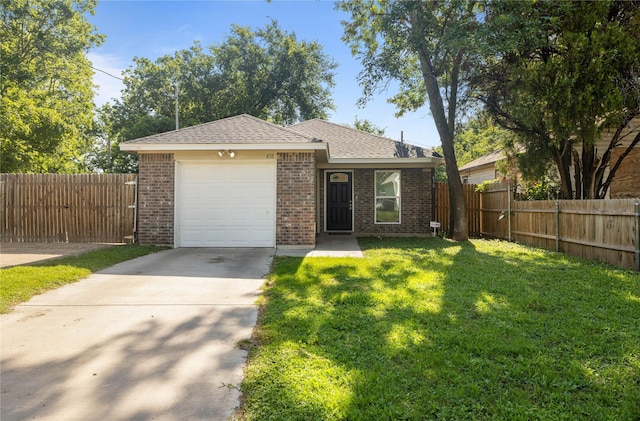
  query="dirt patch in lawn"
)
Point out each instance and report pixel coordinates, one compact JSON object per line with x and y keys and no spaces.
{"x":15,"y":254}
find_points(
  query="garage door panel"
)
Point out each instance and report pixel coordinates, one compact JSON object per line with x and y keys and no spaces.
{"x":226,"y":205}
{"x":226,"y":237}
{"x":192,"y":236}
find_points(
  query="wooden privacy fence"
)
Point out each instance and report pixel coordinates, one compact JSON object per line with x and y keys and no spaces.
{"x":604,"y":230}
{"x":83,"y":208}
{"x":442,"y":207}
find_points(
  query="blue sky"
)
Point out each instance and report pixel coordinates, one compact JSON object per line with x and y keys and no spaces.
{"x":155,"y":28}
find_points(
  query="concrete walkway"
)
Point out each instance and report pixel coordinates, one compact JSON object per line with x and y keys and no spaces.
{"x":151,"y":338}
{"x":328,"y":245}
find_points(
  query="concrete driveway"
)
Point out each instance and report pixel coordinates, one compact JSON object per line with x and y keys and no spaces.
{"x":151,"y":338}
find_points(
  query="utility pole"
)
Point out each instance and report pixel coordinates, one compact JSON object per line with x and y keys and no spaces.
{"x":177,"y":105}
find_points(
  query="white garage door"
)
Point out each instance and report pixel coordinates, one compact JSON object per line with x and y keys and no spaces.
{"x":230,"y":204}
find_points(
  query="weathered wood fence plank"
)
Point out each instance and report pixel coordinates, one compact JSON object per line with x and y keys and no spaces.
{"x":473,"y":207}
{"x":603,"y":230}
{"x":83,"y":208}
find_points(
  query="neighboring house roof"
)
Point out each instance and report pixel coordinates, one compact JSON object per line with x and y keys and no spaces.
{"x":490,"y":158}
{"x":336,"y":143}
{"x":345,"y":142}
{"x":232,"y":130}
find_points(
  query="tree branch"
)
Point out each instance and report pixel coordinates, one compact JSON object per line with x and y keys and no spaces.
{"x":605,"y":186}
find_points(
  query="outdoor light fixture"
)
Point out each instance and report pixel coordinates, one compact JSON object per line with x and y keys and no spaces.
{"x":228,"y":152}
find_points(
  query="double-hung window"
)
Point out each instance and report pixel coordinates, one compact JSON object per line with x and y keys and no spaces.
{"x":387,"y":197}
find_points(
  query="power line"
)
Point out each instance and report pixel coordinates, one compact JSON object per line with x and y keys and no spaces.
{"x":94,"y":68}
{"x":106,"y":73}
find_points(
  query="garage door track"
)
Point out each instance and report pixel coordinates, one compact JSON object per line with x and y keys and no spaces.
{"x":151,"y":338}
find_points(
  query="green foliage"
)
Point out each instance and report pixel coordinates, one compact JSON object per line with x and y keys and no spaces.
{"x":270,"y":74}
{"x":431,"y":329}
{"x":476,"y":137}
{"x":482,"y":187}
{"x":441,"y":172}
{"x":46,"y":86}
{"x":560,"y":73}
{"x":479,"y":136}
{"x":20,"y":283}
{"x":105,"y":154}
{"x":367,"y":126}
{"x":539,"y":190}
{"x":267,"y":73}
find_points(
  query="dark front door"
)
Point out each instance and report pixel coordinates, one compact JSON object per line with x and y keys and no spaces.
{"x":339,"y":201}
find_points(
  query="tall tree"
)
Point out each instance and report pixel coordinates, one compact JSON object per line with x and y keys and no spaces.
{"x":270,"y":74}
{"x":429,"y":48}
{"x":267,"y":73}
{"x":561,"y":73}
{"x":46,"y":96}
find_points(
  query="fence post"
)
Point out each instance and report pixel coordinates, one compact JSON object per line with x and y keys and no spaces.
{"x":637,"y":209}
{"x":509,"y":208}
{"x":134,"y":233}
{"x":557,"y":227}
{"x":480,"y":214}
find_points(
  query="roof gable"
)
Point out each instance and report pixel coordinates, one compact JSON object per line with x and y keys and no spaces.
{"x":490,"y":158}
{"x":240,"y":129}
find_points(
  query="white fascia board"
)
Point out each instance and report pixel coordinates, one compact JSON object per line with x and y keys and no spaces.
{"x":169,"y":147}
{"x":387,"y":161}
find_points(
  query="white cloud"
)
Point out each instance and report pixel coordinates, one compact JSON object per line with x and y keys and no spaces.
{"x":108,"y":87}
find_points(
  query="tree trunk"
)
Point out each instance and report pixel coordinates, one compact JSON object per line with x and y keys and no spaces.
{"x":577,"y":174}
{"x":588,"y":160}
{"x":600,"y":186}
{"x":457,"y":203}
{"x":602,"y":191}
{"x":563,"y":162}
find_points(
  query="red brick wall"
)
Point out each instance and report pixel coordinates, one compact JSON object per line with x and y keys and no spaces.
{"x":296,"y":199}
{"x":416,"y":203}
{"x":156,"y":199}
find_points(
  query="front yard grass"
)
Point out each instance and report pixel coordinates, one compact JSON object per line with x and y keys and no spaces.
{"x":20,"y":283}
{"x":431,"y":329}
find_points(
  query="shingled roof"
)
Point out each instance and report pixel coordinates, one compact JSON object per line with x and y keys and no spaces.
{"x":245,"y":131}
{"x":490,"y":158}
{"x":239,"y":129}
{"x":345,"y":142}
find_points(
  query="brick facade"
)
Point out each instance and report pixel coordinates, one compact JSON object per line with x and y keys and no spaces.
{"x":296,"y":199}
{"x":156,"y":198}
{"x":416,"y":202}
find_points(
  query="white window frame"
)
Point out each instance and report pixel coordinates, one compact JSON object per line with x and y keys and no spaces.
{"x":398,"y":197}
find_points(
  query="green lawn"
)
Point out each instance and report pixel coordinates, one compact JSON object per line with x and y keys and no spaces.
{"x":20,"y":283}
{"x":432,"y":329}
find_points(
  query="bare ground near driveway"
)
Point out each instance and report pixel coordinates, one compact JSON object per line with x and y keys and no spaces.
{"x":14,"y":254}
